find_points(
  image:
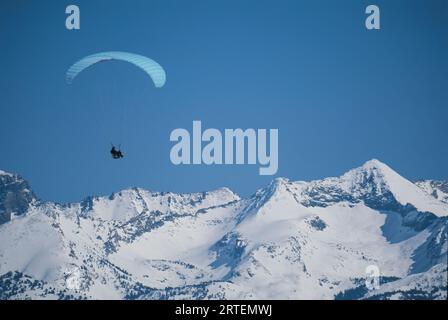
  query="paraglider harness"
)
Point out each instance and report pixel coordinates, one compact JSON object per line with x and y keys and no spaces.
{"x":116,"y":154}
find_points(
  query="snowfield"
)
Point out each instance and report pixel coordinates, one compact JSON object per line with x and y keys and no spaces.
{"x":289,"y":240}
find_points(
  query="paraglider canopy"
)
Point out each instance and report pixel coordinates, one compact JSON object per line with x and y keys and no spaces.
{"x":152,"y":68}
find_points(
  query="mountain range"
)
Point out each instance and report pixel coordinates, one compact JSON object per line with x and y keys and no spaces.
{"x":289,"y":240}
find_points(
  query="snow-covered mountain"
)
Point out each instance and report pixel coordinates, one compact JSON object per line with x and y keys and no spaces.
{"x":290,"y":240}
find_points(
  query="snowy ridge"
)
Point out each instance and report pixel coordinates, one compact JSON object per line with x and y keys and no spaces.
{"x":417,"y":286}
{"x":4,"y":173}
{"x":290,"y":240}
{"x":434,"y":188}
{"x":127,"y":204}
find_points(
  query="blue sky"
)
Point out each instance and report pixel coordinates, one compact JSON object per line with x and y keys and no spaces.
{"x":338,"y":94}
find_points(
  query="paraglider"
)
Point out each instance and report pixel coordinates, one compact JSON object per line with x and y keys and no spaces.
{"x":116,"y":154}
{"x":149,"y":66}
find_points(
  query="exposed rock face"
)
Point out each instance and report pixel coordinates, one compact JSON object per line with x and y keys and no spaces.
{"x":15,"y":196}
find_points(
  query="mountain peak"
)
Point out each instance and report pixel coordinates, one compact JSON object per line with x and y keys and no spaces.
{"x":281,"y":180}
{"x":376,"y":164}
{"x":379,"y":176}
{"x":278,"y":183}
{"x":376,"y":172}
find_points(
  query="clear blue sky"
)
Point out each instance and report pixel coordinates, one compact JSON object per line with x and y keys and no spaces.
{"x":338,"y":94}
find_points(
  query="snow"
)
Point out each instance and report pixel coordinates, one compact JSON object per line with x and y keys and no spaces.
{"x":127,"y":204}
{"x":405,"y":191}
{"x":290,"y":240}
{"x":374,"y":178}
{"x":423,"y":282}
{"x":4,"y":173}
{"x":434,"y":188}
